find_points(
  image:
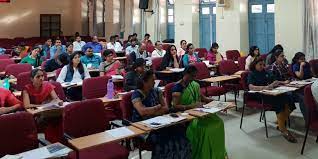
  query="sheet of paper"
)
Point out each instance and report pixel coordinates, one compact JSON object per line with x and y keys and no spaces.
{"x":286,"y":88}
{"x":217,"y":104}
{"x":161,"y":121}
{"x":37,"y":153}
{"x":67,"y":84}
{"x":209,"y":110}
{"x":157,"y":82}
{"x":177,"y":69}
{"x":11,"y":157}
{"x":120,"y":132}
{"x":117,"y":77}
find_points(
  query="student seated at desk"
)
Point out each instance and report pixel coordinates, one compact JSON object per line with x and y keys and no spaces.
{"x":39,"y":91}
{"x":74,"y":72}
{"x":190,"y":56}
{"x":133,"y":47}
{"x":94,"y":44}
{"x":116,"y":46}
{"x":158,"y":52}
{"x":300,"y":67}
{"x":206,"y":134}
{"x":253,"y":54}
{"x":131,"y":78}
{"x":57,"y":49}
{"x":8,"y":102}
{"x":141,"y":53}
{"x":213,"y":55}
{"x":183,"y":47}
{"x":110,"y":66}
{"x":90,"y":60}
{"x":170,"y":59}
{"x":148,"y":102}
{"x":54,"y":64}
{"x":34,"y":58}
{"x":283,"y":105}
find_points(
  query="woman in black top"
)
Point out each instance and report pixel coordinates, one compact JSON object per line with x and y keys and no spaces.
{"x":170,"y":59}
{"x":283,"y":105}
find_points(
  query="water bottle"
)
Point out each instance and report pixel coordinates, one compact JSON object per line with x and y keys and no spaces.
{"x":110,"y":89}
{"x":6,"y":84}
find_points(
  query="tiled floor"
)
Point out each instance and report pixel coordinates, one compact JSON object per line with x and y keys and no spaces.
{"x":251,"y":142}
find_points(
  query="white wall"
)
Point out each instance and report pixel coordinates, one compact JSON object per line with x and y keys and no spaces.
{"x":289,"y":25}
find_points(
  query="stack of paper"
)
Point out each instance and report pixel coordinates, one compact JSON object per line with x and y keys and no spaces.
{"x":177,"y":69}
{"x":209,"y":110}
{"x":161,"y":121}
{"x":54,"y":150}
{"x":68,"y":84}
{"x":301,"y":82}
{"x":120,"y":132}
{"x":217,"y":104}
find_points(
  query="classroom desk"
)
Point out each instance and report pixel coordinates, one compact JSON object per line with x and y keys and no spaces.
{"x":102,"y":138}
{"x":51,"y":74}
{"x":196,"y":113}
{"x":219,"y":79}
{"x":69,"y":84}
{"x":120,"y":58}
{"x":44,"y":152}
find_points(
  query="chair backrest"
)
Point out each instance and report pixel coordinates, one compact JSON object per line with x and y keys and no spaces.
{"x":18,"y":133}
{"x":243,"y":80}
{"x":165,"y":46}
{"x":24,"y":78}
{"x":15,"y":69}
{"x":314,"y":65}
{"x":95,"y":87}
{"x":202,"y":52}
{"x":232,"y":55}
{"x":59,"y":90}
{"x":150,"y":48}
{"x":227,"y":67}
{"x":57,"y":72}
{"x":242,"y":62}
{"x":263,"y":56}
{"x":310,"y":103}
{"x":203,"y":71}
{"x":5,"y":56}
{"x":4,"y":63}
{"x":43,"y":64}
{"x":84,"y":118}
{"x":168,"y":93}
{"x":156,"y":62}
{"x":126,"y":106}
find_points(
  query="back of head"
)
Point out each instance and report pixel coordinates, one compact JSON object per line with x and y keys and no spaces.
{"x":144,"y":78}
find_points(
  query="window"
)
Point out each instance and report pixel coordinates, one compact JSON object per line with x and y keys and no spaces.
{"x":270,"y":8}
{"x":50,"y":25}
{"x":205,"y":10}
{"x":214,"y":10}
{"x":257,"y":8}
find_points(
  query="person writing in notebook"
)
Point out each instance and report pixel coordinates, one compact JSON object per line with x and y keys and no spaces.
{"x":148,"y":102}
{"x":8,"y":102}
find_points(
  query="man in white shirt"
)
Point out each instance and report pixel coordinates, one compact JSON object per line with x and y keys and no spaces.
{"x":133,"y":47}
{"x":78,"y":44}
{"x":158,"y":52}
{"x":114,"y":45}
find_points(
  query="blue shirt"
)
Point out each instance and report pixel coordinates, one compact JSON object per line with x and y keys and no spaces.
{"x":97,"y":47}
{"x":307,"y":70}
{"x":95,"y":60}
{"x":53,"y":50}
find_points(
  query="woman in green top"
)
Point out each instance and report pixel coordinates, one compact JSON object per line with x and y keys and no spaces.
{"x":206,"y":135}
{"x":34,"y":58}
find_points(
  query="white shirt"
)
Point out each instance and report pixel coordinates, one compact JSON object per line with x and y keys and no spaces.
{"x":76,"y":76}
{"x":117,"y":46}
{"x":157,"y":53}
{"x":314,"y":91}
{"x":131,"y":49}
{"x":248,"y":62}
{"x":77,"y":46}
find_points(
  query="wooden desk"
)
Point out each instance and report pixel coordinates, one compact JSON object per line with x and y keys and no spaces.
{"x":43,"y":152}
{"x":165,"y":72}
{"x":93,"y":70}
{"x":197,"y":113}
{"x":239,"y":72}
{"x":219,"y":79}
{"x":102,"y":138}
{"x":106,"y":100}
{"x":120,"y":58}
{"x":79,"y":84}
{"x":45,"y":110}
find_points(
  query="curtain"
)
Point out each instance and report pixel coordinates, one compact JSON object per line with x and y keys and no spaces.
{"x":311,"y":29}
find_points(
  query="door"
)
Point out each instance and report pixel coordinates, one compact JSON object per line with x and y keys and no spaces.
{"x":261,"y":24}
{"x":170,"y":20}
{"x":207,"y":23}
{"x":50,"y":25}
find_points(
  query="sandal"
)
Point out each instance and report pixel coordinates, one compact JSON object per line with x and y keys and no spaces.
{"x":289,"y":137}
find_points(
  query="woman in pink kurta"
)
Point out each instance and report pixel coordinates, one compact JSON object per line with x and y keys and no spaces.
{"x":110,"y":66}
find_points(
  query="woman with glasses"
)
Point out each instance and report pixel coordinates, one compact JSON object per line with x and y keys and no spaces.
{"x":110,"y":66}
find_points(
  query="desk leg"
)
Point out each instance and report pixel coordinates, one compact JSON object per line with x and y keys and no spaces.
{"x":264,"y":115}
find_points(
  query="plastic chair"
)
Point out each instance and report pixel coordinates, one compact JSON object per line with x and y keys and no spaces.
{"x":4,"y":63}
{"x":156,"y":62}
{"x":202,"y":52}
{"x":5,"y":56}
{"x":242,"y":62}
{"x":232,"y":55}
{"x":15,"y":69}
{"x":95,"y":87}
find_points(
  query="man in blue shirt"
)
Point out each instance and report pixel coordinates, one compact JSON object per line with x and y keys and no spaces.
{"x":95,"y":45}
{"x":57,"y":49}
{"x":90,"y":60}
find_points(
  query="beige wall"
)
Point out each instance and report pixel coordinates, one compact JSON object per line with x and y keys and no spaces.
{"x":289,"y":26}
{"x":21,"y":18}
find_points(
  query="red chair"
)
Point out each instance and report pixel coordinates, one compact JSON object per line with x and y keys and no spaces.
{"x":57,"y":72}
{"x":168,"y":93}
{"x":5,"y":56}
{"x":18,"y":133}
{"x":59,"y":90}
{"x":227,"y":67}
{"x":207,"y":89}
{"x":255,"y":104}
{"x":165,"y":46}
{"x":232,"y":55}
{"x":242,"y":62}
{"x":156,"y":62}
{"x":15,"y":69}
{"x":314,"y":65}
{"x":150,"y":48}
{"x":202,"y":52}
{"x":263,"y":56}
{"x":95,"y":121}
{"x":43,"y":64}
{"x":312,"y":117}
{"x":24,"y":78}
{"x":4,"y":63}
{"x":95,"y":87}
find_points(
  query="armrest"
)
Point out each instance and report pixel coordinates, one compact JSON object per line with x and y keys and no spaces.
{"x":44,"y":142}
{"x":67,"y":137}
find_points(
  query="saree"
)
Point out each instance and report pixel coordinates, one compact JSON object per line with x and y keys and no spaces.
{"x":206,"y":135}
